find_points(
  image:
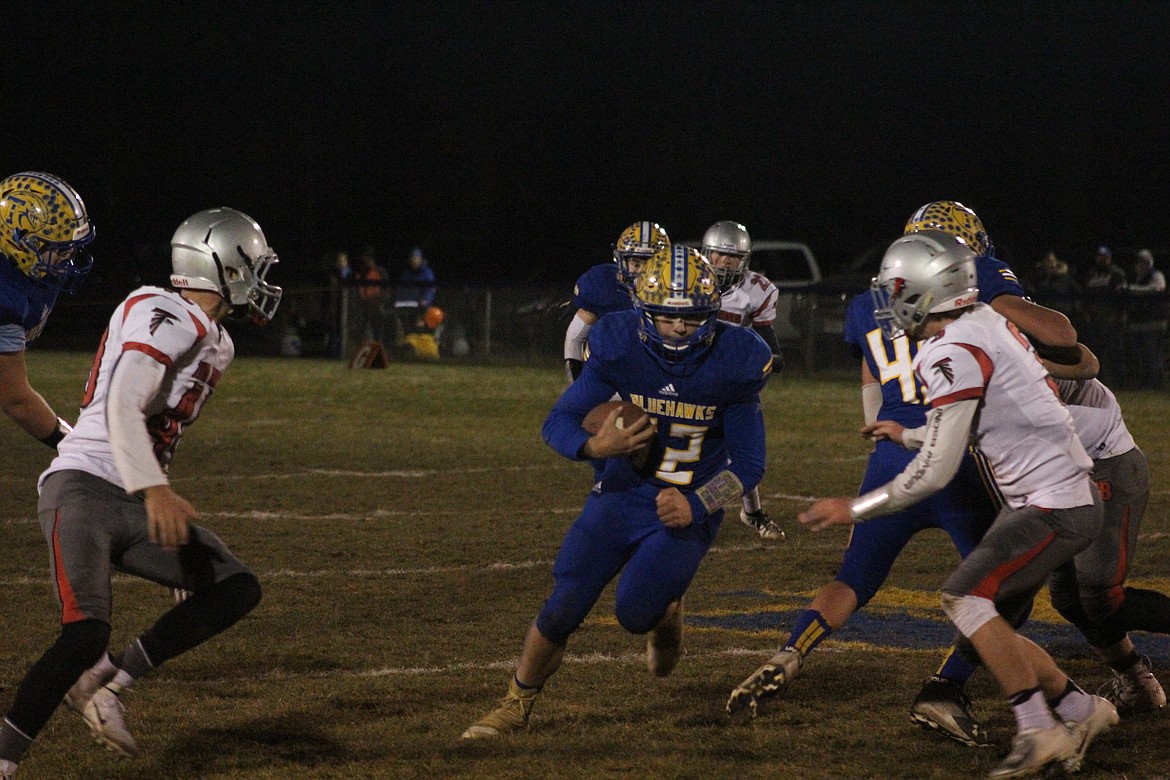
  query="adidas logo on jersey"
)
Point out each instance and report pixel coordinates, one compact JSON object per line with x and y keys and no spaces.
{"x":667,"y":389}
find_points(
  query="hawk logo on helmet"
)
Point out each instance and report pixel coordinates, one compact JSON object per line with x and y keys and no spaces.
{"x":943,"y":368}
{"x":160,"y":317}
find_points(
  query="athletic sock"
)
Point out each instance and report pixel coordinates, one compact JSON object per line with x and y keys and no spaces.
{"x":956,"y":668}
{"x":1031,"y":710}
{"x":809,"y":630}
{"x":1073,"y":704}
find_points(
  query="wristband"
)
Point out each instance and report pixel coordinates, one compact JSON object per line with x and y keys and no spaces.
{"x":54,"y":438}
{"x":723,"y":488}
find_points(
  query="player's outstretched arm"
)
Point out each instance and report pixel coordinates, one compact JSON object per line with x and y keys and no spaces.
{"x":26,"y":406}
{"x":1045,"y":325}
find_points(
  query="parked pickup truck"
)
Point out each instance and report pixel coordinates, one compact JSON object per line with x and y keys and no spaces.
{"x":792,"y":267}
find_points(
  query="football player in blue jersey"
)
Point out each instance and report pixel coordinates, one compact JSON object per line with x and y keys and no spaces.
{"x":44,"y":237}
{"x":964,"y":509}
{"x":699,"y":380}
{"x":609,"y":287}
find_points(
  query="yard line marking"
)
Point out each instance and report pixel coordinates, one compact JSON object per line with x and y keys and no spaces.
{"x":391,"y":473}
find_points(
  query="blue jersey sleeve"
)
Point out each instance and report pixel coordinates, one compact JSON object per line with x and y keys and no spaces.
{"x":598,"y":291}
{"x":996,"y":278}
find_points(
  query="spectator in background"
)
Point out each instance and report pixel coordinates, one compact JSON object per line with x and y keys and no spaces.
{"x":1055,"y":288}
{"x":340,"y":272}
{"x":1146,"y":311}
{"x":1104,"y":315}
{"x":416,"y":290}
{"x":371,"y":281}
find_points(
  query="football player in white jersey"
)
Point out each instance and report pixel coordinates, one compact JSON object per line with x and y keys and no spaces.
{"x":748,"y":300}
{"x":106,"y":500}
{"x":985,"y":384}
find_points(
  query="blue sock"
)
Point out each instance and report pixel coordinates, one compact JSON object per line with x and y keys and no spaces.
{"x":809,"y":630}
{"x":956,"y":668}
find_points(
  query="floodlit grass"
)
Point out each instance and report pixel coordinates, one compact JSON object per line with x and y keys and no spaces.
{"x":403,"y":523}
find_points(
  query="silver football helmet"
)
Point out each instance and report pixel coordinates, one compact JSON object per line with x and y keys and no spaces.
{"x":922,"y":273}
{"x":728,"y":238}
{"x":224,"y":251}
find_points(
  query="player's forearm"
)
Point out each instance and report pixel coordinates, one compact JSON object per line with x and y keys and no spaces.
{"x":945,"y":439}
{"x":744,"y":430}
{"x":134,"y":383}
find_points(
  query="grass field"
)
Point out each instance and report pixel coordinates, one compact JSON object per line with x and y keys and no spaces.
{"x":403,"y":523}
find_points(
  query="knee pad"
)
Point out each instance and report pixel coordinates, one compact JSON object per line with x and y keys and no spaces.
{"x":84,"y":641}
{"x":968,"y":613}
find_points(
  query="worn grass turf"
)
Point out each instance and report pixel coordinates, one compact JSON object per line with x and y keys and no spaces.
{"x":403,"y":523}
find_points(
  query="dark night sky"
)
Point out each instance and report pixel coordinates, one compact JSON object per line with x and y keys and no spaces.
{"x":516,"y":140}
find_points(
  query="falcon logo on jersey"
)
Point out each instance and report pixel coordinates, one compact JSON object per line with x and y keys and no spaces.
{"x":159,"y":317}
{"x":943,"y":368}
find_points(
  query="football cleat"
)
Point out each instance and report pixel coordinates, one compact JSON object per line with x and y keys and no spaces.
{"x":765,"y":684}
{"x":90,"y":682}
{"x":1136,"y":690}
{"x":761,"y":523}
{"x":1104,"y":716}
{"x":943,"y":706}
{"x":1035,"y":750}
{"x":106,"y":719}
{"x":7,"y":769}
{"x":664,"y":643}
{"x":511,"y":715}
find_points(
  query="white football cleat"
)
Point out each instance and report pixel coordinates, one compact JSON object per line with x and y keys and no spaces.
{"x":762,"y":524}
{"x":89,"y":683}
{"x":106,"y":719}
{"x":1135,"y":690}
{"x":1104,"y":716}
{"x":1036,"y":750}
{"x":765,"y":684}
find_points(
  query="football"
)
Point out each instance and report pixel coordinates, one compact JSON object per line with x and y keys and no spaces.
{"x":629,"y":414}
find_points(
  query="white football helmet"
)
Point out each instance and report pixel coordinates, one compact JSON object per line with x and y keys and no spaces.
{"x":728,"y":238}
{"x":922,"y":273}
{"x":224,"y":251}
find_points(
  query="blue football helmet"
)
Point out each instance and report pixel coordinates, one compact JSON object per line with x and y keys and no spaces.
{"x":954,"y":218}
{"x":637,"y":242}
{"x":44,"y":230}
{"x":677,"y":283}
